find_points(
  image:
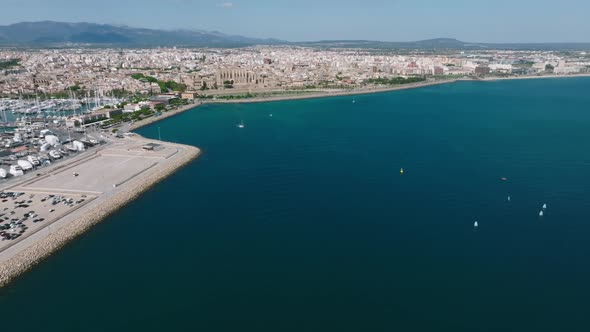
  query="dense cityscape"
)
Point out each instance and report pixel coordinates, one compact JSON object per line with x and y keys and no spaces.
{"x":57,"y":103}
{"x":230,"y":71}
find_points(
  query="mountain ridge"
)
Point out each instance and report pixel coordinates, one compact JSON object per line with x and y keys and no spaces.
{"x":51,"y":33}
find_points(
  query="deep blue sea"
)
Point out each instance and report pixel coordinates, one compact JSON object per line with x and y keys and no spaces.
{"x":301,"y":221}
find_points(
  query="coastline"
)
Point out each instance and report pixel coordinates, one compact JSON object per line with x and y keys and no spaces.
{"x":153,"y":119}
{"x":78,"y":222}
{"x":311,"y":95}
{"x":354,"y":92}
{"x":327,"y":94}
{"x":529,"y":77}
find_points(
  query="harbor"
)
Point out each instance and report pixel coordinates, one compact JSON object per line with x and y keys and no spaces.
{"x":294,"y":166}
{"x":31,"y":144}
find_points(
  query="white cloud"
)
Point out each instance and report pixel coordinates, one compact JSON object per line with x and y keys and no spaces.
{"x":227,"y":4}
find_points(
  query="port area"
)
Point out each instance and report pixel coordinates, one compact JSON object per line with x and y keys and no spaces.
{"x":34,"y":206}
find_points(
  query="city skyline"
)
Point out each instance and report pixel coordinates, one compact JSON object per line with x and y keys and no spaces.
{"x":523,"y":22}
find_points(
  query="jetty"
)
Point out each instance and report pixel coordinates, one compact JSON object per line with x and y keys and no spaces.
{"x":58,"y":203}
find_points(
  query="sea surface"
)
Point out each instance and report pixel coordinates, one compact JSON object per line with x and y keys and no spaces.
{"x":302,"y":221}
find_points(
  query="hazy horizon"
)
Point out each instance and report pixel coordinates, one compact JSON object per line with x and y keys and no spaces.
{"x":471,"y":21}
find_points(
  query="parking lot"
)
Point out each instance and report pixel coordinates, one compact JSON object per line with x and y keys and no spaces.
{"x":25,"y":212}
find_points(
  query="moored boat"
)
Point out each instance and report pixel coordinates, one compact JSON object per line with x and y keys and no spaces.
{"x":54,"y":154}
{"x":33,"y":160}
{"x":16,"y":170}
{"x":25,"y":165}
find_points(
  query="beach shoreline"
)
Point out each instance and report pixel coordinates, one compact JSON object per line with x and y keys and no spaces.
{"x":528,"y":77}
{"x":312,"y":95}
{"x":328,"y":94}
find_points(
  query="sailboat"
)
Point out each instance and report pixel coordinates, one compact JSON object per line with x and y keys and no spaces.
{"x":241,"y":125}
{"x":476,"y":224}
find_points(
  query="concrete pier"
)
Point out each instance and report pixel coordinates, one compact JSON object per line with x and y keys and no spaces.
{"x":106,"y":180}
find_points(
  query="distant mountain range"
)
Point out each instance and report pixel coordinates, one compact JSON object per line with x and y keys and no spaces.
{"x":444,"y":43}
{"x":49,"y":33}
{"x":56,"y":33}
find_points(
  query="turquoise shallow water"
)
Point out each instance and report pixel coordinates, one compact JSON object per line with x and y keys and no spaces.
{"x":302,"y":222}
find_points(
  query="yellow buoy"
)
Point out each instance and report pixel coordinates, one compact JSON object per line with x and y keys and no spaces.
{"x":401,"y":171}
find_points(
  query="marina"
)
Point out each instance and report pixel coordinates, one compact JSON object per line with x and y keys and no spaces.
{"x":14,"y":110}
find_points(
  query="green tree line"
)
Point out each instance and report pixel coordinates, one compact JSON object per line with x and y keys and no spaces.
{"x":5,"y":64}
{"x":395,"y":80}
{"x":165,"y":86}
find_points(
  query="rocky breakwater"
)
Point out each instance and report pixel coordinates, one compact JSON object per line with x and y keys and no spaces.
{"x":93,"y":214}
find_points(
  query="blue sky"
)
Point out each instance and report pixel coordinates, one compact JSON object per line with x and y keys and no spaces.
{"x":297,"y":20}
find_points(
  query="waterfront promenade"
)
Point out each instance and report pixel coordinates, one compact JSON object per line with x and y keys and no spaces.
{"x":330,"y":93}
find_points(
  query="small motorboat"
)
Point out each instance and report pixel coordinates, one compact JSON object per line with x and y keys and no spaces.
{"x":54,"y":154}
{"x":33,"y":160}
{"x":15,"y":170}
{"x":25,"y":165}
